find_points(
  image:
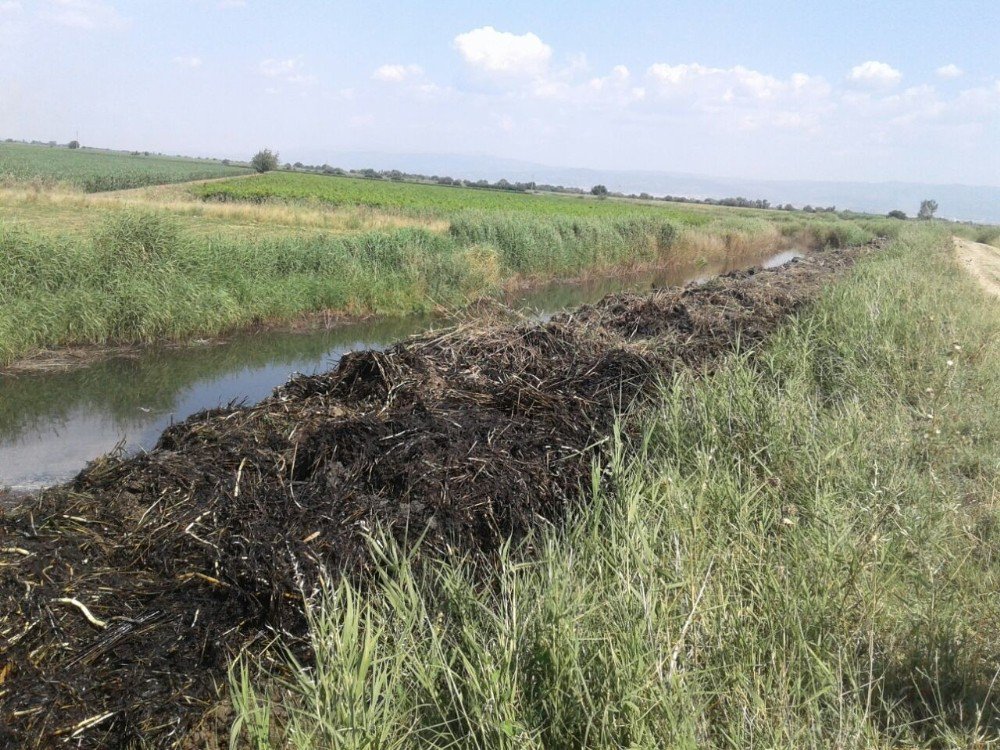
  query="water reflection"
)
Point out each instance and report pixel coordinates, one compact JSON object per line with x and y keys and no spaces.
{"x":52,"y":423}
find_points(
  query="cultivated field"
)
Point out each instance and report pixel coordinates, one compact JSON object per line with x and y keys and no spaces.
{"x":426,"y":199}
{"x":95,"y":170}
{"x":174,"y":261}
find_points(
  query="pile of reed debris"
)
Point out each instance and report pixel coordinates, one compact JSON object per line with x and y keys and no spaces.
{"x":124,"y":594}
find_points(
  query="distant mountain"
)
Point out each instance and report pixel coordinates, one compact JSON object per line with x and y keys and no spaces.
{"x":961,"y":202}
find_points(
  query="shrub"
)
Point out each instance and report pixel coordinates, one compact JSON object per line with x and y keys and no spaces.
{"x":264,"y":160}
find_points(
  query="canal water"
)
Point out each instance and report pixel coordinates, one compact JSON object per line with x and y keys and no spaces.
{"x":53,"y":423}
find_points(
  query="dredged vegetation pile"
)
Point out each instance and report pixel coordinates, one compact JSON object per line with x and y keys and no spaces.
{"x":124,"y":595}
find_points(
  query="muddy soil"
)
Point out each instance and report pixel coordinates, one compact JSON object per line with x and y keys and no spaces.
{"x":124,"y":594}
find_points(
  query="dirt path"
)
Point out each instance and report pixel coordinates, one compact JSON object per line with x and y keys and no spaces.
{"x":982,"y":261}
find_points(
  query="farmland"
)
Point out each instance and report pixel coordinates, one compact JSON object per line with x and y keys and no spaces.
{"x":425,"y":199}
{"x":175,"y":261}
{"x":96,"y":171}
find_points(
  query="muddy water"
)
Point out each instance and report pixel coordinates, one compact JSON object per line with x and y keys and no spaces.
{"x":53,"y":423}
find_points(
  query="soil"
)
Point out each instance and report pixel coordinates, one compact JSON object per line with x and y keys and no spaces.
{"x":124,"y":594}
{"x":982,"y":261}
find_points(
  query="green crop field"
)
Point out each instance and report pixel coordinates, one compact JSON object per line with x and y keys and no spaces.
{"x":424,"y":199}
{"x":170,"y":262}
{"x":95,"y":171}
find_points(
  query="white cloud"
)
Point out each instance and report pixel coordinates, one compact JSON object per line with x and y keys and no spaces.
{"x":737,"y":98}
{"x":431,"y":89}
{"x":279,"y":68}
{"x":619,"y":75}
{"x":949,"y":71}
{"x":392,"y":73}
{"x":500,"y":52}
{"x":82,"y":14}
{"x":290,"y":70}
{"x":615,"y":89}
{"x":230,"y":4}
{"x":731,"y":84}
{"x":738,"y":81}
{"x":874,"y":73}
{"x":187,"y":61}
{"x":676,"y":74}
{"x":10,"y":6}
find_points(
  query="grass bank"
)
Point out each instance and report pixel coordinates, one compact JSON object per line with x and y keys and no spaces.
{"x":142,"y":275}
{"x":800,"y":552}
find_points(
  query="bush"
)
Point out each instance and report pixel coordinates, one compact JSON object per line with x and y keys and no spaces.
{"x":264,"y":160}
{"x":74,"y":144}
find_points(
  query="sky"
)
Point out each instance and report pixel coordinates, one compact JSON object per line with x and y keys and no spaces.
{"x":849,"y":90}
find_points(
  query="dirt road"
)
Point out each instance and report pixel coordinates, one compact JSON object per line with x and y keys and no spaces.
{"x":982,"y":261}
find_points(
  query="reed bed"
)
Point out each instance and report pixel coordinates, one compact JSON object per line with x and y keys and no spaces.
{"x":141,"y":275}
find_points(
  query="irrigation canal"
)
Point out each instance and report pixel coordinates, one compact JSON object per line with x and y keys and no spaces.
{"x":53,"y":423}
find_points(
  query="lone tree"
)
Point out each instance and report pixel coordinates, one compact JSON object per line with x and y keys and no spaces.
{"x":74,"y":144}
{"x":264,"y":160}
{"x":599,"y":190}
{"x":897,"y":214}
{"x":927,"y":209}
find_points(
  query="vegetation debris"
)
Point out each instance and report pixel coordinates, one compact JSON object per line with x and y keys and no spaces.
{"x":173,"y":561}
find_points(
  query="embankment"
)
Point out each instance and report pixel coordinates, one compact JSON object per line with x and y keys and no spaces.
{"x":125,"y":594}
{"x":141,"y":276}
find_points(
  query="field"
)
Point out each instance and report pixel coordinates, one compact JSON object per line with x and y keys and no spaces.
{"x":167,"y":262}
{"x":756,"y":512}
{"x":96,"y":171}
{"x":425,"y":199}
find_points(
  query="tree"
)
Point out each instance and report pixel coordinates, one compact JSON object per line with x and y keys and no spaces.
{"x":599,"y":190}
{"x":897,"y":214}
{"x":927,"y":209}
{"x":74,"y":144}
{"x":264,"y":160}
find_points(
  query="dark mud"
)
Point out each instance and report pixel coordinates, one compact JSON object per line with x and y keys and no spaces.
{"x":124,"y":594}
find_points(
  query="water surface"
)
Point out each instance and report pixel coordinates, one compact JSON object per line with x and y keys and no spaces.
{"x":53,"y":423}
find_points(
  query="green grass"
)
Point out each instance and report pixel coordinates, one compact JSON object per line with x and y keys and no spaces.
{"x":83,"y":270}
{"x":425,"y":199}
{"x":97,"y":171}
{"x":800,"y":552}
{"x":140,"y":276}
{"x":986,"y":234}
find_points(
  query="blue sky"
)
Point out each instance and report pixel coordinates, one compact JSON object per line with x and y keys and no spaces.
{"x":796,"y":90}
